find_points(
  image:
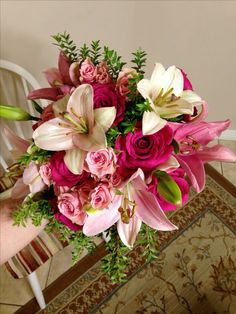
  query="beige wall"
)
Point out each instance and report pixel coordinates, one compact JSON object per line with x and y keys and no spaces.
{"x":199,"y":36}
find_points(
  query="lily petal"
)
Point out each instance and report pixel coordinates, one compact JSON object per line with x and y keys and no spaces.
{"x":202,"y":115}
{"x":144,"y":87}
{"x":81,"y":104}
{"x":96,"y":224}
{"x":190,"y":96}
{"x":148,"y":209}
{"x":53,"y":77}
{"x":202,"y":132}
{"x":20,"y":190}
{"x":74,"y":160}
{"x":128,"y":232}
{"x":170,"y":165}
{"x":64,"y":66}
{"x":93,"y":141}
{"x":216,"y":152}
{"x":105,"y":117}
{"x":59,"y":106}
{"x":48,"y":93}
{"x":175,"y":109}
{"x":194,"y":169}
{"x":52,"y":136}
{"x":17,"y":142}
{"x":152,"y":123}
{"x":32,"y":178}
{"x":173,"y":78}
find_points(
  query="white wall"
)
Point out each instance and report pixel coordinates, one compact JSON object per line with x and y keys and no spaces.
{"x":198,"y":36}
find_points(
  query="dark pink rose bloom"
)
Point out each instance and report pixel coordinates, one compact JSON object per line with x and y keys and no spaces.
{"x":46,"y":115}
{"x":61,"y":175}
{"x":102,"y":75}
{"x":178,"y":176}
{"x":107,"y":96}
{"x":187,"y":83}
{"x":145,"y":152}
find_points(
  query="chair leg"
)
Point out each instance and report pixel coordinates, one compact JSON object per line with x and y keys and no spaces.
{"x":35,"y":286}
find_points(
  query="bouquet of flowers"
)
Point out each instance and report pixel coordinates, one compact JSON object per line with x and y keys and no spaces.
{"x":113,"y":151}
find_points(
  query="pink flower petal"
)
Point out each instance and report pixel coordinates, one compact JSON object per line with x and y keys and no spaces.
{"x":93,"y":141}
{"x":54,"y":135}
{"x":95,"y":224}
{"x":17,"y":142}
{"x":202,"y":132}
{"x":53,"y":77}
{"x":64,"y":66}
{"x":194,"y":169}
{"x":20,"y":190}
{"x":217,"y":152}
{"x":148,"y":209}
{"x":81,"y":104}
{"x":44,"y":93}
{"x":128,"y":232}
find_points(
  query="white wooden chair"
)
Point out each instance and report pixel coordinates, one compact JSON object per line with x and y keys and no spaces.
{"x":21,"y":260}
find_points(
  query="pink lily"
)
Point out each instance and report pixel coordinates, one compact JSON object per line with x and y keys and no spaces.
{"x":59,"y":79}
{"x":192,"y":139}
{"x":129,"y":210}
{"x":18,"y":144}
{"x":81,"y":129}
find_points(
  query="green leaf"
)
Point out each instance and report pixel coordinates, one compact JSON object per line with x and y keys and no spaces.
{"x":168,"y":188}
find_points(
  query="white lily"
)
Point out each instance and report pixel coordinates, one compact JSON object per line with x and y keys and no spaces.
{"x":167,"y":98}
{"x":78,"y":130}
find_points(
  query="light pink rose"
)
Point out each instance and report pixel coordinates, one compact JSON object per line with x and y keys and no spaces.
{"x":87,"y":71}
{"x":101,"y":162}
{"x":112,"y":179}
{"x":45,"y":173}
{"x":123,"y":80}
{"x":70,"y":206}
{"x":101,"y":196}
{"x":102,"y":75}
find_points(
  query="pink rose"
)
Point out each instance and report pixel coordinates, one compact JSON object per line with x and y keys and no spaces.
{"x":123,"y":80}
{"x":85,"y":189}
{"x":87,"y":71}
{"x":187,"y":83}
{"x":70,"y":206}
{"x":102,"y":75}
{"x":45,"y":173}
{"x":101,"y":162}
{"x":101,"y":196}
{"x":106,"y":96}
{"x":145,"y":152}
{"x":178,"y":176}
{"x":61,"y":175}
{"x":114,"y":179}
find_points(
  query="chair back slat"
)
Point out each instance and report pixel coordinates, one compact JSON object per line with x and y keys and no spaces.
{"x":15,"y":84}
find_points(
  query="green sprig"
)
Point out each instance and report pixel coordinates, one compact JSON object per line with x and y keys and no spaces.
{"x":95,"y":51}
{"x":148,"y":239}
{"x":84,"y":52}
{"x":139,"y":60}
{"x":116,"y":261}
{"x":66,"y":45}
{"x":36,"y":154}
{"x":113,"y":61}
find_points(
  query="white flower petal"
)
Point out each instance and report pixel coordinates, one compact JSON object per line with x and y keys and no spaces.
{"x":74,"y":160}
{"x":190,"y":96}
{"x":152,"y":123}
{"x":128,"y":232}
{"x":172,"y":78}
{"x":157,"y":73}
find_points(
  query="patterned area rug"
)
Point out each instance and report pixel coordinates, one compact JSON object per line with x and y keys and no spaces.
{"x":195,"y":271}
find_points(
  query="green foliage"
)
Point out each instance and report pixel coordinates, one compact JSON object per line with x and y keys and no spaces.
{"x":95,"y":51}
{"x":34,"y":154}
{"x":115,"y":262}
{"x":139,"y":60}
{"x":66,"y":45}
{"x":84,"y":52}
{"x":134,"y":95}
{"x":147,"y":238}
{"x":35,"y":210}
{"x":112,"y":135}
{"x":76,"y":238}
{"x":176,"y":119}
{"x":113,"y":61}
{"x":175,"y":145}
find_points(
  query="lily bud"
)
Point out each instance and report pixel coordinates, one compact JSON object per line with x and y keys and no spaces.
{"x":14,"y":113}
{"x":168,"y":188}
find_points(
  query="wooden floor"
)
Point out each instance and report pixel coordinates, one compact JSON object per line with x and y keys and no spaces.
{"x":15,"y":293}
